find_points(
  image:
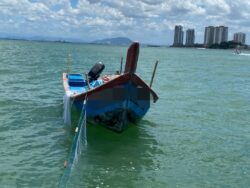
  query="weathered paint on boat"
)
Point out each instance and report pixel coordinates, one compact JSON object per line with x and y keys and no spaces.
{"x":120,"y":99}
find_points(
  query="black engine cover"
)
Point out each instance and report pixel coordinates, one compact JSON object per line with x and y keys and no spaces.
{"x":95,"y":71}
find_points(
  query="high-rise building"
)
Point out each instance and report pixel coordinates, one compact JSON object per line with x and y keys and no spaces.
{"x":221,"y":35}
{"x":240,"y":37}
{"x":225,"y":34}
{"x":190,"y":37}
{"x":215,"y":35}
{"x":178,"y":36}
{"x":209,"y":35}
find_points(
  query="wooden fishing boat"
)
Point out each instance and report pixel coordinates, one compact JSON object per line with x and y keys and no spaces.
{"x":112,"y":100}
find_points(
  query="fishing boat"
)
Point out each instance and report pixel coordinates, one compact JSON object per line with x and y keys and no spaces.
{"x":111,"y":100}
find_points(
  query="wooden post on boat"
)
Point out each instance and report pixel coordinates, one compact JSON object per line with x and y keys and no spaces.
{"x":121,"y":65}
{"x":69,"y":61}
{"x":153,"y":75}
{"x":87,"y":79}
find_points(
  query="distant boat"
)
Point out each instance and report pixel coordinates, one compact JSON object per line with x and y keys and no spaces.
{"x":112,"y":100}
{"x":237,"y":51}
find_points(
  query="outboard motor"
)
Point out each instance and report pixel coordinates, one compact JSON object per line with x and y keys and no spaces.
{"x":95,"y":71}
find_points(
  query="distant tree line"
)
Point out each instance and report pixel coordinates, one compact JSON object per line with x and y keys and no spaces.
{"x":228,"y":45}
{"x":222,"y":45}
{"x":189,"y":46}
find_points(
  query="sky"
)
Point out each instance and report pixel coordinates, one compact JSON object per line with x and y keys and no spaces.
{"x":146,"y":21}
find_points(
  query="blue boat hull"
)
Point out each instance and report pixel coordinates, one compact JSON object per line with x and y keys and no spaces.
{"x":112,"y":100}
{"x":118,"y":106}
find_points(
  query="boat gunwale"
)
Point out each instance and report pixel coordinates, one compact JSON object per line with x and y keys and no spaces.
{"x":121,"y":79}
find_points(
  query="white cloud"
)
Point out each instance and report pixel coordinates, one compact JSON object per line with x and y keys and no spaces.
{"x":149,"y":20}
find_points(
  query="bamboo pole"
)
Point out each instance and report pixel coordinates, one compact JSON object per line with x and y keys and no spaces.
{"x":153,"y":75}
{"x":87,"y":79}
{"x":121,"y":65}
{"x":69,"y":61}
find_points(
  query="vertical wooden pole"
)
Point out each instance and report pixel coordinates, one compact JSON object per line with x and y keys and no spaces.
{"x":87,"y":80}
{"x":153,"y":75}
{"x":69,"y":61}
{"x":121,"y":65}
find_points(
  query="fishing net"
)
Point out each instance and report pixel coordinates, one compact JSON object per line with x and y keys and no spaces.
{"x":80,"y":140}
{"x":67,"y":108}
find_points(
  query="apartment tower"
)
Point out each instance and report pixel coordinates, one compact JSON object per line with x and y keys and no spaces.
{"x":209,"y":35}
{"x":190,"y":37}
{"x":178,"y":36}
{"x":215,"y":35}
{"x":240,"y":37}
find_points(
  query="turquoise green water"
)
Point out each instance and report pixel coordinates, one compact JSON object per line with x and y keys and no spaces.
{"x":196,"y":135}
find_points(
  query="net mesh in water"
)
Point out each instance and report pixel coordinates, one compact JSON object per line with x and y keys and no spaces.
{"x":67,"y":103}
{"x":80,"y":140}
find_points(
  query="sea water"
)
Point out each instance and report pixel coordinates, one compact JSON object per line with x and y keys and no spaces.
{"x":196,"y":135}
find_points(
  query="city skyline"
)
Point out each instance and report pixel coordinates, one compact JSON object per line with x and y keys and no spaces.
{"x":212,"y":35}
{"x":147,"y":21}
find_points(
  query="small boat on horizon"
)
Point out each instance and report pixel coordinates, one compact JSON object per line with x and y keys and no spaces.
{"x":111,"y":100}
{"x":237,"y":51}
